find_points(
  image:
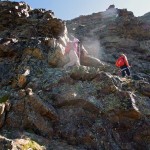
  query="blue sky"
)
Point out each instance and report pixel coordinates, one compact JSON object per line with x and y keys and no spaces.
{"x":69,"y":9}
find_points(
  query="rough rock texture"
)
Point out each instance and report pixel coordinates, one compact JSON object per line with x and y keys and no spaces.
{"x":20,"y":17}
{"x":107,"y":34}
{"x":44,"y":107}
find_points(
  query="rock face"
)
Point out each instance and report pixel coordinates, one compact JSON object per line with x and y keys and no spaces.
{"x":114,"y":31}
{"x":43,"y":106}
{"x":19,"y":17}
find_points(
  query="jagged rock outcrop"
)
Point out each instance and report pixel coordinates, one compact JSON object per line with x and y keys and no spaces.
{"x":44,"y":106}
{"x":16,"y":17}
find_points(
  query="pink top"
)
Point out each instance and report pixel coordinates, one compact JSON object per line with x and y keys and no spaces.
{"x":75,"y":41}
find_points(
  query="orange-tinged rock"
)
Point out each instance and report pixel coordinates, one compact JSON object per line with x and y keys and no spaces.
{"x":34,"y":52}
{"x":21,"y":80}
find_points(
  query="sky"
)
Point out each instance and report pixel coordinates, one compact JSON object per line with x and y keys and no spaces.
{"x":69,"y":9}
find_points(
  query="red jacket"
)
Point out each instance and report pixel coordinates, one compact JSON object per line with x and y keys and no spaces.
{"x":122,"y":61}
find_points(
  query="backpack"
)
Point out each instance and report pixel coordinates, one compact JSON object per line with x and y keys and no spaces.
{"x":120,"y":62}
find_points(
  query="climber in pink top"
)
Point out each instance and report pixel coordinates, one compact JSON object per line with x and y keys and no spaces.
{"x":72,"y":49}
{"x":76,"y":41}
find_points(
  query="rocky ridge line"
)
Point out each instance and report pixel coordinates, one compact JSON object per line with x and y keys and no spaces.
{"x":44,"y":106}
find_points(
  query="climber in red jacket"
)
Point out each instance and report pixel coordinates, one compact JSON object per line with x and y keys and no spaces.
{"x":122,"y":63}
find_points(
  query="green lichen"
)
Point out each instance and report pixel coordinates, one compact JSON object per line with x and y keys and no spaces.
{"x":32,"y":145}
{"x":4,"y":98}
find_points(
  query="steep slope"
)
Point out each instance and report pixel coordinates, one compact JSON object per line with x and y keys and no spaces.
{"x":114,"y":31}
{"x":145,"y":18}
{"x":43,"y":106}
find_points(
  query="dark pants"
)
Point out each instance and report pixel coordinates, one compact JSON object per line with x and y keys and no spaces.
{"x":125,"y":70}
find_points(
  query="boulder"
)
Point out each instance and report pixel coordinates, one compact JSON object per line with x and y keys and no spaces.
{"x":56,"y":57}
{"x":33,"y":111}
